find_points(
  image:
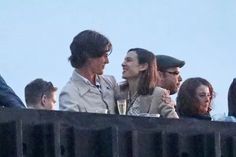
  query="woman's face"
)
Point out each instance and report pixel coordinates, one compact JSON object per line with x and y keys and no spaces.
{"x":204,"y":98}
{"x":131,"y":66}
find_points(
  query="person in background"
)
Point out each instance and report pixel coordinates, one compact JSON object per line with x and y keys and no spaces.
{"x":169,"y":71}
{"x":140,"y":86}
{"x":88,"y":90}
{"x":8,"y":98}
{"x":231,"y":106}
{"x":40,"y":94}
{"x":194,"y":99}
{"x":232,"y":99}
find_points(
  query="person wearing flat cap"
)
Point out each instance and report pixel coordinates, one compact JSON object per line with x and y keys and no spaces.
{"x":169,"y":70}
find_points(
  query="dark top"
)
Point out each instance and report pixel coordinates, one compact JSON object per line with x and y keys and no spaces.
{"x":8,"y":98}
{"x":199,"y":117}
{"x":232,"y":99}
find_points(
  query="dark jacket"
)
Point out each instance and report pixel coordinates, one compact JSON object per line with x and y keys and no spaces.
{"x":199,"y":117}
{"x":8,"y":98}
{"x":232,"y":99}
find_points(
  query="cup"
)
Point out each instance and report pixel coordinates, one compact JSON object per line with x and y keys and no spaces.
{"x":122,"y":106}
{"x":101,"y":111}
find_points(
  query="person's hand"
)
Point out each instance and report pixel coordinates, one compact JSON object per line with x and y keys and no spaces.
{"x":167,"y":99}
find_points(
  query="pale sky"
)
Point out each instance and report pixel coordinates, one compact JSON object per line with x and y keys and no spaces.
{"x":35,"y":36}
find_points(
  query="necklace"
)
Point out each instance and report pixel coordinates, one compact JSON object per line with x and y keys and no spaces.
{"x":131,"y":99}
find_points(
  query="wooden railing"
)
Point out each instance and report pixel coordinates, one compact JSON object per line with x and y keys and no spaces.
{"x":37,"y":133}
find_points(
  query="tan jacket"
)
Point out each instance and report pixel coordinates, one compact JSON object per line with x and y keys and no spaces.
{"x":80,"y":95}
{"x":153,"y":104}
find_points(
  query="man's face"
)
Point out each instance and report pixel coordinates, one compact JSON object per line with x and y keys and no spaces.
{"x":97,"y":65}
{"x":49,"y":103}
{"x":170,"y":79}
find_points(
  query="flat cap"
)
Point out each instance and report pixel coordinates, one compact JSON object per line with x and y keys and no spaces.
{"x":165,"y":62}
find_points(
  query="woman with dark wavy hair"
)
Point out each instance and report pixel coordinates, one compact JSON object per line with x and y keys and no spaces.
{"x":194,"y":99}
{"x":140,"y":86}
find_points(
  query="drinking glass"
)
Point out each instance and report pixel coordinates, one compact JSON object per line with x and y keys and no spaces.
{"x":122,"y":106}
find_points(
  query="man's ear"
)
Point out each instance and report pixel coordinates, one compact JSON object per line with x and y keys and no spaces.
{"x":161,"y":74}
{"x":143,"y":67}
{"x":43,"y":100}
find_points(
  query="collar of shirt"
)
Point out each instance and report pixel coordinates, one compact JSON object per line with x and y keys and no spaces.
{"x":87,"y":84}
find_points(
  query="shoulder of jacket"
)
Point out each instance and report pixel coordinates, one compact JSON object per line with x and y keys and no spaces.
{"x":70,"y":86}
{"x":109,"y":79}
{"x":159,"y":90}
